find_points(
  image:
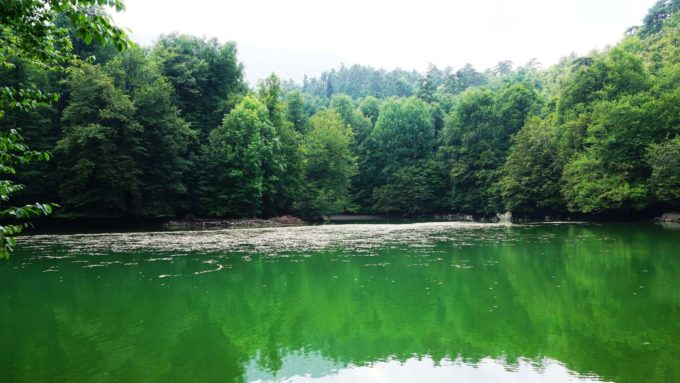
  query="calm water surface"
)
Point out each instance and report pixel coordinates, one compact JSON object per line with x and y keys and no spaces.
{"x":436,"y":302}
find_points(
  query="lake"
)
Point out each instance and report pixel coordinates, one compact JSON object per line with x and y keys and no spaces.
{"x":426,"y":302}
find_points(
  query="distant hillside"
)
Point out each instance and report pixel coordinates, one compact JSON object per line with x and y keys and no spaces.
{"x":260,"y":62}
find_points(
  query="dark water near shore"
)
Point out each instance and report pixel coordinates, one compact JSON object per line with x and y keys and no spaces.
{"x":436,"y":302}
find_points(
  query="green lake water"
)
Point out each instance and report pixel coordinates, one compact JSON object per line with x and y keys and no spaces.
{"x":426,"y":302}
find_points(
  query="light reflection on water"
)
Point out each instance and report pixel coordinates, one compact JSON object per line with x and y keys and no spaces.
{"x":357,"y":238}
{"x":296,"y":369}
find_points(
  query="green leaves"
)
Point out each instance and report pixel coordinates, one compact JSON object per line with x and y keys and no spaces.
{"x":412,"y":190}
{"x":404,"y":132}
{"x":328,"y":165}
{"x":99,"y":151}
{"x":240,"y":151}
{"x":588,"y":188}
{"x":206,"y":76}
{"x":16,"y":214}
{"x":29,"y":33}
{"x":478,"y":136}
{"x":664,"y":161}
{"x":532,"y":171}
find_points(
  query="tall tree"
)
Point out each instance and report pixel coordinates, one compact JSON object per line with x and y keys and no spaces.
{"x":165,"y":137}
{"x":427,"y":87}
{"x":661,"y":11}
{"x":234,"y":181}
{"x":282,"y":172}
{"x":295,"y":111}
{"x":464,"y":78}
{"x":328,"y":166}
{"x":533,"y":171}
{"x":503,"y":68}
{"x":98,"y":151}
{"x":478,"y":133}
{"x":403,"y":132}
{"x":361,"y":126}
{"x":206,"y":75}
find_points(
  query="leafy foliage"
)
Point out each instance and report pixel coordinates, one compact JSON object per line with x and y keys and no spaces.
{"x":205,"y":74}
{"x":403,"y":132}
{"x":358,"y":82}
{"x":99,"y":148}
{"x":658,"y":14}
{"x":237,"y":152}
{"x":283,"y":171}
{"x":30,"y":36}
{"x":478,"y":133}
{"x":413,"y":190}
{"x":664,"y":160}
{"x":328,"y":165}
{"x":533,"y":170}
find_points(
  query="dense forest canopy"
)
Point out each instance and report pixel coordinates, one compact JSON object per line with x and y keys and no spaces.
{"x":173,"y":130}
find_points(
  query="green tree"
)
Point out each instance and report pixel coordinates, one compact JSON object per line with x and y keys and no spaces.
{"x":589,"y":188}
{"x":478,"y":132}
{"x":604,"y":77}
{"x":503,"y":68}
{"x":664,"y":182}
{"x":165,"y":137}
{"x":615,"y":144}
{"x":283,"y":170}
{"x":438,"y":116}
{"x":413,"y":189}
{"x":359,"y":81}
{"x":28,"y":32}
{"x":661,"y":11}
{"x":234,"y":183}
{"x":208,"y":82}
{"x":39,"y":128}
{"x":464,"y":78}
{"x":328,"y":165}
{"x":470,"y":132}
{"x":370,"y":108}
{"x":295,"y":111}
{"x":427,"y":86}
{"x":404,"y":133}
{"x":206,"y":75}
{"x":98,"y":151}
{"x":361,"y":126}
{"x":93,"y":53}
{"x":369,"y":167}
{"x":533,"y":171}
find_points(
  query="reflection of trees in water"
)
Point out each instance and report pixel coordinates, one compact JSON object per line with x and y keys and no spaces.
{"x":604,"y":308}
{"x":570,"y":293}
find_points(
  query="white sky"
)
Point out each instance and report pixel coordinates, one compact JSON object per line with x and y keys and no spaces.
{"x":398,"y":33}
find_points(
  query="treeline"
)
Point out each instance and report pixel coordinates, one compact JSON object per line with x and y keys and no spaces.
{"x":173,"y":130}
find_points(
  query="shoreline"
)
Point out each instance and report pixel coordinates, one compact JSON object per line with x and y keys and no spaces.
{"x":61,"y":225}
{"x":214,"y":223}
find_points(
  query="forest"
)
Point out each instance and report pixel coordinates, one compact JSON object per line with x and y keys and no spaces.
{"x":173,"y":130}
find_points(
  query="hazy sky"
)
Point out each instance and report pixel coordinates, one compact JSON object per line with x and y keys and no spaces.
{"x":398,"y":33}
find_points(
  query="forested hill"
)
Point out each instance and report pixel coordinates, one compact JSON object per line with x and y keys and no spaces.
{"x":173,"y":130}
{"x":359,"y":81}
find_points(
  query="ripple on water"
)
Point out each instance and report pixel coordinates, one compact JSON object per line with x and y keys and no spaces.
{"x":214,"y":263}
